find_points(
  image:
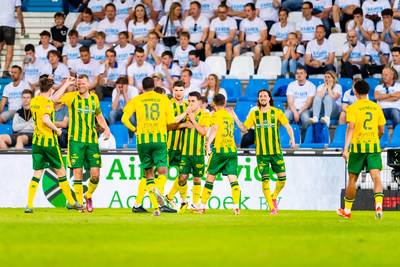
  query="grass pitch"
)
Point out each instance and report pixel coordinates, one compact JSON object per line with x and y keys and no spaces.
{"x":116,"y":237}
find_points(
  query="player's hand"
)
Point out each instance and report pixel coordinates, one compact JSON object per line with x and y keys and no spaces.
{"x":191,"y":116}
{"x":107,"y":134}
{"x":208,"y":150}
{"x":345,"y":155}
{"x":59,"y":131}
{"x":296,"y":116}
{"x":71,"y":80}
{"x":292,"y":144}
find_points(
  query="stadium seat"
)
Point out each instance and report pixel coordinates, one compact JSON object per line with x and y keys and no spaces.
{"x":42,"y":5}
{"x":6,"y":129}
{"x":121,"y":135}
{"x":295,"y":17}
{"x":395,"y":142}
{"x":316,"y":81}
{"x":280,"y":105}
{"x":385,"y":138}
{"x":242,"y":108}
{"x":242,"y":68}
{"x":269,"y":68}
{"x":237,"y":135}
{"x":346,"y":83}
{"x":3,"y":83}
{"x":132,"y":142}
{"x":217,"y":65}
{"x":373,"y":83}
{"x":339,"y":137}
{"x":338,"y":40}
{"x":252,"y":89}
{"x":233,"y":89}
{"x":284,"y":137}
{"x":278,"y":83}
{"x":105,"y":107}
{"x":311,"y":138}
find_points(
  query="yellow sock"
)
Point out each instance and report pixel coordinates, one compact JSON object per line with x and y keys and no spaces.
{"x":207,"y":191}
{"x":196,"y":191}
{"x":267,"y":192}
{"x":280,"y":184}
{"x":160,"y":183}
{"x":33,"y":185}
{"x":183,"y":191}
{"x":150,"y":188}
{"x":78,"y":188}
{"x":174,"y":189}
{"x":348,"y":204}
{"x":235,"y":188}
{"x":64,"y":185}
{"x":378,"y":200}
{"x":92,"y":186}
{"x":141,"y":192}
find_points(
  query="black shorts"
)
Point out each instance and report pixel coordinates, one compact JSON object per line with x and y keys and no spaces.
{"x":7,"y":35}
{"x":219,"y":49}
{"x":15,"y":136}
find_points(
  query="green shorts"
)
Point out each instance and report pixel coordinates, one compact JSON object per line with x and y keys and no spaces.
{"x":275,"y":162}
{"x":174,"y":157}
{"x":83,"y":155}
{"x":225,"y":163}
{"x":44,"y":157}
{"x":364,"y":161}
{"x":192,"y":165}
{"x":153,"y":155}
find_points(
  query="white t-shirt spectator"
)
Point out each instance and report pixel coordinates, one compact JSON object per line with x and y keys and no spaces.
{"x":320,"y":52}
{"x":223,"y":28}
{"x":14,"y":94}
{"x":211,"y":94}
{"x":32,"y":71}
{"x":195,"y":28}
{"x":97,"y":5}
{"x":173,"y":70}
{"x":91,"y":69}
{"x":132,"y":92}
{"x":60,"y":73}
{"x":140,"y":29}
{"x":123,"y":8}
{"x":307,"y":28}
{"x":237,"y":6}
{"x":140,"y":72}
{"x":208,"y":7}
{"x":182,"y":56}
{"x":7,"y":14}
{"x":160,"y":48}
{"x":299,"y":49}
{"x":84,"y":28}
{"x":320,"y":5}
{"x":252,"y":29}
{"x":98,"y":55}
{"x":168,"y":3}
{"x":373,"y":54}
{"x":392,"y":89}
{"x":396,"y":5}
{"x":41,"y":53}
{"x":123,"y":54}
{"x":200,"y":73}
{"x":358,"y":52}
{"x":371,"y":7}
{"x":300,"y":93}
{"x":72,"y":53}
{"x":367,"y":24}
{"x":157,"y":6}
{"x":346,"y":3}
{"x":113,"y":73}
{"x":282,"y":33}
{"x":172,"y":26}
{"x":111,"y":29}
{"x":349,"y":97}
{"x":267,"y":10}
{"x":191,"y":88}
{"x":337,"y":88}
{"x":395,"y":27}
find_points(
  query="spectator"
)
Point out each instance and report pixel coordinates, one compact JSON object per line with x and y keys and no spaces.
{"x":208,"y":8}
{"x":396,"y":9}
{"x":182,"y":51}
{"x":59,"y":71}
{"x":342,"y":12}
{"x":279,"y":33}
{"x":347,"y":99}
{"x":200,"y":69}
{"x":372,"y":9}
{"x":186,"y":77}
{"x":213,"y":88}
{"x":300,"y":94}
{"x":124,"y":9}
{"x":307,"y":26}
{"x":59,"y":31}
{"x":12,"y":94}
{"x":395,"y":63}
{"x":353,"y":56}
{"x":140,"y":26}
{"x":139,"y":69}
{"x":327,"y":100}
{"x":170,"y":26}
{"x":124,"y":50}
{"x":70,"y":52}
{"x":32,"y":69}
{"x":99,"y":8}
{"x":86,"y":27}
{"x":222,"y":35}
{"x":158,"y":79}
{"x":293,"y":55}
{"x":110,"y":71}
{"x":252,"y":34}
{"x":153,"y":49}
{"x":7,"y":30}
{"x":168,"y":69}
{"x":22,"y":125}
{"x":320,"y":53}
{"x":267,"y":10}
{"x":43,"y":49}
{"x":61,"y":120}
{"x":292,"y":5}
{"x":236,"y":9}
{"x":153,"y":8}
{"x":388,"y":28}
{"x":98,"y":50}
{"x":110,"y":25}
{"x":377,"y":56}
{"x":387,"y":95}
{"x":85,"y":65}
{"x":322,"y":10}
{"x":363,"y":26}
{"x":121,"y":95}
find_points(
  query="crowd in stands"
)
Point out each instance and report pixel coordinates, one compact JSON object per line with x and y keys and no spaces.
{"x":118,"y":43}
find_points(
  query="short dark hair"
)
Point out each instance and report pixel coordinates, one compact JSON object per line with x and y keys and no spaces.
{"x":195,"y":53}
{"x":159,"y":90}
{"x":196,"y":3}
{"x":110,"y":50}
{"x":195,"y":94}
{"x":251,"y":5}
{"x":271,"y":101}
{"x":29,"y":47}
{"x":284,"y":10}
{"x":204,"y":99}
{"x":167,"y":53}
{"x":122,"y":79}
{"x":54,"y":52}
{"x":361,"y":87}
{"x":73,"y":32}
{"x":83,"y":76}
{"x":45,"y":33}
{"x":184,"y":34}
{"x":84,"y":49}
{"x":17,"y":67}
{"x":45,"y":83}
{"x":27,"y":92}
{"x":188,"y":71}
{"x":178,"y":83}
{"x":311,"y":6}
{"x":59,"y":14}
{"x":139,"y":50}
{"x":387,"y":12}
{"x":223,"y":6}
{"x":301,"y":68}
{"x":148,"y":84}
{"x":320,"y":26}
{"x":358,"y":11}
{"x":124,"y":33}
{"x":395,"y":49}
{"x":219,"y":100}
{"x":111,"y":5}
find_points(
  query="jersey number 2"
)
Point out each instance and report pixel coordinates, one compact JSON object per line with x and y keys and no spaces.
{"x":367,"y":120}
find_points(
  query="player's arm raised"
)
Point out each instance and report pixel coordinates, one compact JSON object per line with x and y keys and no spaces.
{"x":47,"y":121}
{"x":60,"y":92}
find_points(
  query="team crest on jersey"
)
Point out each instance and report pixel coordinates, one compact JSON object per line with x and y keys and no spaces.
{"x":280,"y":162}
{"x":96,"y":156}
{"x":199,"y":166}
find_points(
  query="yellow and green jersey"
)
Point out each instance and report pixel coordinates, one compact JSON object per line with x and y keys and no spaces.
{"x":153,"y":113}
{"x":224,"y":141}
{"x":43,"y":135}
{"x":82,"y":116}
{"x":367,"y":116}
{"x":193,"y":141}
{"x":266,"y":127}
{"x":175,"y":136}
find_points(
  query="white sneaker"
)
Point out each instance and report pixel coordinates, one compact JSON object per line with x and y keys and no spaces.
{"x":326,"y":120}
{"x":313,"y":120}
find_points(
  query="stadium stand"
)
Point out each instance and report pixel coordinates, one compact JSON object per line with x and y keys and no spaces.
{"x":121,"y":135}
{"x":317,"y":137}
{"x":252,"y":89}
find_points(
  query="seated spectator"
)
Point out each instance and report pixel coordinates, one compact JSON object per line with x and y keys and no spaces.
{"x":307,"y":26}
{"x":139,"y":27}
{"x":372,"y":9}
{"x":186,"y":77}
{"x":347,"y":99}
{"x":387,"y":95}
{"x":121,"y":95}
{"x":153,"y":8}
{"x":59,"y":31}
{"x":98,"y":8}
{"x":208,"y":8}
{"x":204,"y":103}
{"x":388,"y":28}
{"x":86,"y":27}
{"x":396,"y":9}
{"x":153,"y":49}
{"x":252,"y":34}
{"x":139,"y":69}
{"x":22,"y":125}
{"x":85,"y":65}
{"x":200,"y":69}
{"x":12,"y":95}
{"x":320,"y":53}
{"x":327,"y":100}
{"x":182,"y":51}
{"x":61,"y":119}
{"x":292,"y":5}
{"x":110,"y":71}
{"x":213,"y":87}
{"x":124,"y":9}
{"x":70,"y":52}
{"x":158,"y":79}
{"x":376,"y":56}
{"x":279,"y":33}
{"x":59,"y":71}
{"x":110,"y":25}
{"x":43,"y":49}
{"x":124,"y":50}
{"x":170,"y":26}
{"x":322,"y":10}
{"x":98,"y":50}
{"x":293,"y":55}
{"x":363,"y":26}
{"x":32,"y":68}
{"x":168,"y":69}
{"x":267,"y":10}
{"x":342,"y":12}
{"x":395,"y":62}
{"x":222,"y":35}
{"x":353,"y":56}
{"x":300,"y":94}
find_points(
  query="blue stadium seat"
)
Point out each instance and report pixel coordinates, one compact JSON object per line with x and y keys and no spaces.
{"x":385,"y":138}
{"x":280,"y":82}
{"x":121,"y":135}
{"x":316,"y":81}
{"x":372,"y":82}
{"x":242,"y":108}
{"x":237,"y":135}
{"x":280,"y":105}
{"x":310,"y":140}
{"x":284,"y":137}
{"x":105,"y":107}
{"x":42,"y":5}
{"x":339,"y":137}
{"x":233,"y":89}
{"x":346,"y":83}
{"x":3,"y":83}
{"x":395,"y":142}
{"x":6,"y":129}
{"x":132,"y":143}
{"x":252,"y":89}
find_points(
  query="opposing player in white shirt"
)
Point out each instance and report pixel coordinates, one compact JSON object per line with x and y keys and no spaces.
{"x":70,"y":51}
{"x":139,"y":69}
{"x":110,"y":25}
{"x":124,"y":50}
{"x":44,"y":48}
